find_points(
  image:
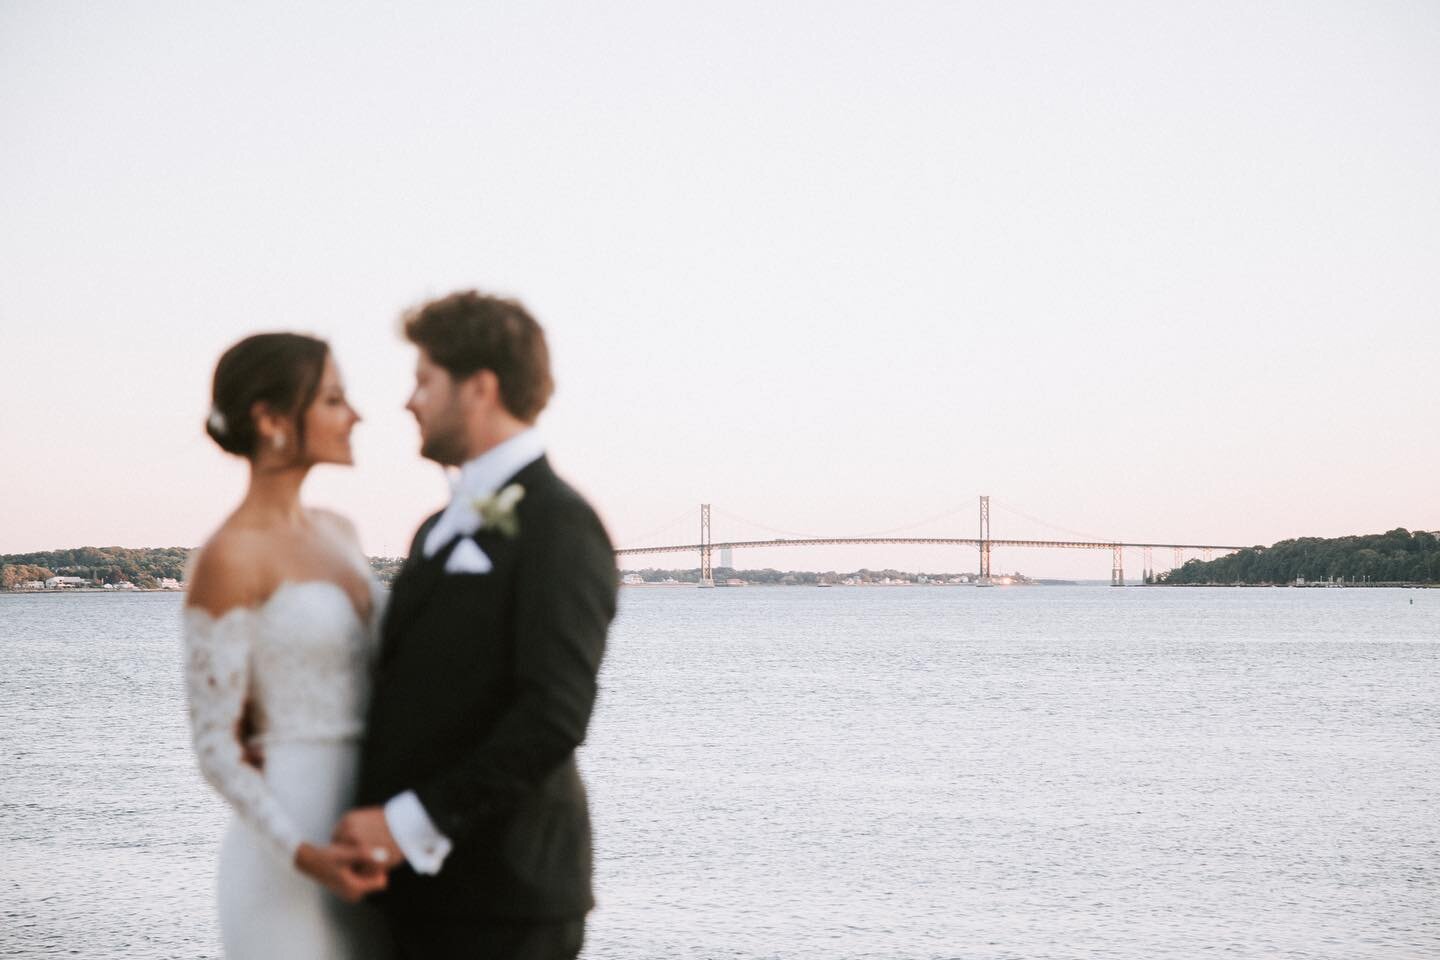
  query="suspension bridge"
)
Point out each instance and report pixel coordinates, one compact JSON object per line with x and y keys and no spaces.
{"x":983,"y":543}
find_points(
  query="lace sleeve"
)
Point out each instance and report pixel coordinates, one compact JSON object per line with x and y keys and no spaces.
{"x":217,"y":677}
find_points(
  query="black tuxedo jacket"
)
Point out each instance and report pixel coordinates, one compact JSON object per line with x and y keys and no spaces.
{"x":483,"y":691}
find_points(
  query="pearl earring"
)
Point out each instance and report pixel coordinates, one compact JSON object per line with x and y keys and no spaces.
{"x":279,"y":441}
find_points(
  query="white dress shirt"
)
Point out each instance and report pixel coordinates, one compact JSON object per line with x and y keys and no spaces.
{"x":424,"y":846}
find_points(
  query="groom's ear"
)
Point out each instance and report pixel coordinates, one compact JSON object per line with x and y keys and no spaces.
{"x":481,"y":388}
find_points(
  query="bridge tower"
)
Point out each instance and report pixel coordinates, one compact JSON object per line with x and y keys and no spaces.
{"x":1148,"y":567}
{"x":707,"y":571}
{"x":1179,"y":557}
{"x":984,"y":539}
{"x":1117,"y":566}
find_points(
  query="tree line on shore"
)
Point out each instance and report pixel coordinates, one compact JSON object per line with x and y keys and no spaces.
{"x":145,"y":567}
{"x":1398,"y":556}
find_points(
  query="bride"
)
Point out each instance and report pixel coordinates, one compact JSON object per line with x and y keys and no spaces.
{"x":280,"y":626}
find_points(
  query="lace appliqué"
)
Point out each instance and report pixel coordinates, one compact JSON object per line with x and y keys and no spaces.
{"x":217,"y":680}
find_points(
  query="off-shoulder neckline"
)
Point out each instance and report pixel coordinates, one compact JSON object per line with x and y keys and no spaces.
{"x":259,"y":608}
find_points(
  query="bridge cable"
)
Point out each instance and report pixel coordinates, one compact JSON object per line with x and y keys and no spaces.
{"x":919,"y":523}
{"x":665,"y":526}
{"x":811,"y":536}
{"x":1053,"y":526}
{"x":761,"y":526}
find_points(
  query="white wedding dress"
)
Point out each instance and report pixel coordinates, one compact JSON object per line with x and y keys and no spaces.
{"x":299,"y":667}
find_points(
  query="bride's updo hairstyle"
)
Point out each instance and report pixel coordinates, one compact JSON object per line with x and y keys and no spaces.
{"x":281,"y":370}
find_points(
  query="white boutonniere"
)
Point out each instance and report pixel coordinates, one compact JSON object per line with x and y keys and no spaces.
{"x":497,"y":511}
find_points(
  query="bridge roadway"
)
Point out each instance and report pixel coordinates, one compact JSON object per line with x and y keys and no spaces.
{"x":932,"y":541}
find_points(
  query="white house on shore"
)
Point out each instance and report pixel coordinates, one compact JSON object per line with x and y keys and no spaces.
{"x":66,"y":583}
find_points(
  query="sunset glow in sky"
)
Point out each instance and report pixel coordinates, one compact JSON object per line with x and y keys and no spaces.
{"x":1138,"y":271}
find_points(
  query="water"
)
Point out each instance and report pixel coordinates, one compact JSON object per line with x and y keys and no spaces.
{"x":846,"y":773}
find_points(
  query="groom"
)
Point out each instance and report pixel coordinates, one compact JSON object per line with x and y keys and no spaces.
{"x":489,"y":654}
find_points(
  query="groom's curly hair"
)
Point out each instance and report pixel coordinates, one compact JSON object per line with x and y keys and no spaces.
{"x":470,"y":331}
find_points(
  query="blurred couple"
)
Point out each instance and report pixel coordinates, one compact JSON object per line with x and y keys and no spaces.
{"x":402,"y":774}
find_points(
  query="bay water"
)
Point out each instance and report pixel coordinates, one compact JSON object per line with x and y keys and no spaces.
{"x":884,"y":772}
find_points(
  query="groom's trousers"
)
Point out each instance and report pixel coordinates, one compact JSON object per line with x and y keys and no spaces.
{"x":491,"y":940}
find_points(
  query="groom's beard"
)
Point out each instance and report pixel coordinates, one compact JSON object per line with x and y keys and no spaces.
{"x":444,"y":442}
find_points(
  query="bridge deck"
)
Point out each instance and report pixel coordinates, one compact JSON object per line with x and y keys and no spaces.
{"x":933,"y":541}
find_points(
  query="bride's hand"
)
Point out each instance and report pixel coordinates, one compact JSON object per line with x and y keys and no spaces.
{"x":343,"y":869}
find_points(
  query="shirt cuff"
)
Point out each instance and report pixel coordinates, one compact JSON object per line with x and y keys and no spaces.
{"x":415,"y":834}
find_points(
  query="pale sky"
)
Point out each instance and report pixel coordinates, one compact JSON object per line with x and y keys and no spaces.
{"x":1142,"y":271}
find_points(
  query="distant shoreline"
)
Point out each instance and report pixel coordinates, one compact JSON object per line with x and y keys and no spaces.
{"x":53,"y":593}
{"x":1401,"y":585}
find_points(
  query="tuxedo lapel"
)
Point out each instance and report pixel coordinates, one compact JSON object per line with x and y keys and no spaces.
{"x":421,"y":574}
{"x":535,"y":474}
{"x":412,"y":588}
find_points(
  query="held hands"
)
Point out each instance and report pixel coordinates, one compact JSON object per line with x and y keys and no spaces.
{"x":358,"y":858}
{"x":365,"y":830}
{"x":346,"y":870}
